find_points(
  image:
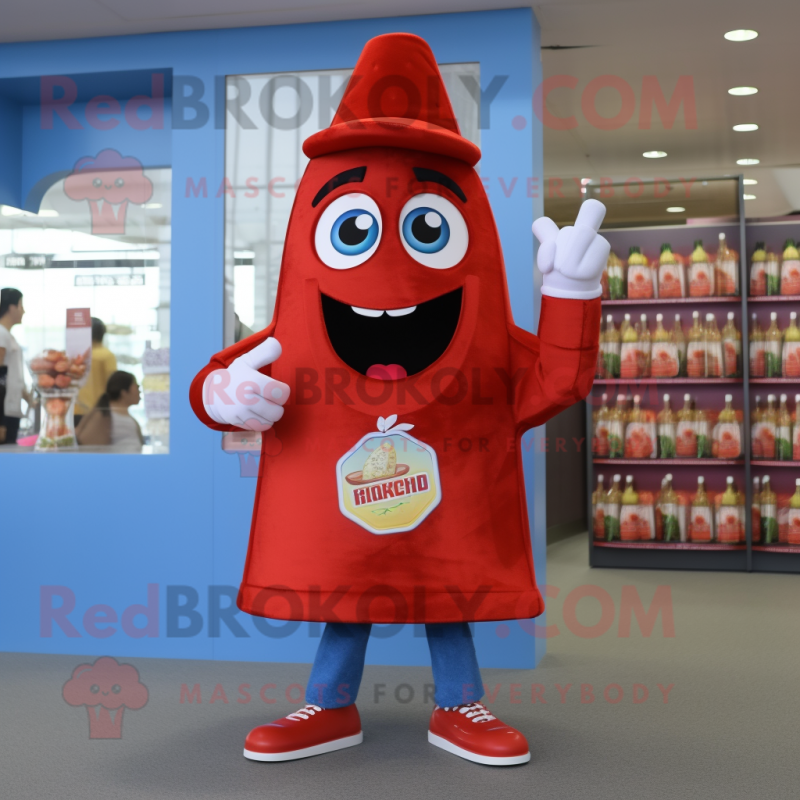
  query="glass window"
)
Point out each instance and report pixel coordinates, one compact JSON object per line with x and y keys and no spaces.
{"x":101,"y":241}
{"x":264,"y":161}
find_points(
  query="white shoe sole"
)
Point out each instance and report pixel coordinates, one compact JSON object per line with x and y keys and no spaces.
{"x":495,"y":761}
{"x":305,"y":752}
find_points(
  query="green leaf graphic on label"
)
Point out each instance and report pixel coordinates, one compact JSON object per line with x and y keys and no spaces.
{"x":611,"y":525}
{"x":612,"y":364}
{"x":616,"y":288}
{"x":773,"y":365}
{"x":672,"y":528}
{"x":769,"y":530}
{"x":773,"y":284}
{"x":703,"y":447}
{"x":615,"y":448}
{"x":666,"y":445}
{"x":783,"y":450}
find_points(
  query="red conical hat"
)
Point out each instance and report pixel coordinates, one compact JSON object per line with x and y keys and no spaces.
{"x":395,"y":98}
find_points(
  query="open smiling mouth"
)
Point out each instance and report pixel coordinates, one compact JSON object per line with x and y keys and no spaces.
{"x":394,"y":343}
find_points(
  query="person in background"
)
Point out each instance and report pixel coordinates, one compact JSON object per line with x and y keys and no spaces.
{"x":103,"y":365}
{"x":11,"y":313}
{"x":109,"y":422}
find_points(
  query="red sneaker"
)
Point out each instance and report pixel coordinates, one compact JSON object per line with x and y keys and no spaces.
{"x":474,"y":733}
{"x":310,"y":731}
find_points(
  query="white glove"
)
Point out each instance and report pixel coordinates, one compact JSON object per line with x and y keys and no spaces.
{"x":241,"y":396}
{"x":572,"y":259}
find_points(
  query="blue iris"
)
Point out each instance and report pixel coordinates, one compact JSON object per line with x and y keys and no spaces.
{"x":354,"y":232}
{"x":426,"y":230}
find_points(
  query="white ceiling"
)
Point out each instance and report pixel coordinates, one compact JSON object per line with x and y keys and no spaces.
{"x":626,"y":38}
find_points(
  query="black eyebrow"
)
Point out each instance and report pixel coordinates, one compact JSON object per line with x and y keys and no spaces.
{"x":423,"y":174}
{"x":355,"y":175}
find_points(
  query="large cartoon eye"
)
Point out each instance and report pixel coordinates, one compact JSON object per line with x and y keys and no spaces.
{"x":116,"y":688}
{"x":119,"y":183}
{"x":349,"y":231}
{"x":433,"y":231}
{"x":94,"y":688}
{"x":97,"y":182}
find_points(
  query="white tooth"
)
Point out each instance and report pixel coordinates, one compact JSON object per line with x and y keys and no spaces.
{"x":367,"y":312}
{"x":400,"y":312}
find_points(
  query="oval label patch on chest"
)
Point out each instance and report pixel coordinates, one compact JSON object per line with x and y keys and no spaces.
{"x":388,"y":481}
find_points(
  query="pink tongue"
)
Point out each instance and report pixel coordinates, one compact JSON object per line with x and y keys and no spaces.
{"x":390,"y":372}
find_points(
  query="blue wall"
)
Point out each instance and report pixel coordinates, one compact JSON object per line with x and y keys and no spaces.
{"x":61,"y":519}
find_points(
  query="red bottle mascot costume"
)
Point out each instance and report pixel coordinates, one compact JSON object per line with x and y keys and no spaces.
{"x":400,"y":387}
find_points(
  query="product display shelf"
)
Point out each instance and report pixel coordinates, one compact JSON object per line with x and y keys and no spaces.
{"x":683,"y":462}
{"x":679,"y":555}
{"x":774,"y":557}
{"x":672,"y":301}
{"x":633,"y":382}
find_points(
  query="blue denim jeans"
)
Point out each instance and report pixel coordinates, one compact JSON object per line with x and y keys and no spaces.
{"x":339,"y":664}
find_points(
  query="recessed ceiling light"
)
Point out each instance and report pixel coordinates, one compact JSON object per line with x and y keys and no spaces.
{"x":152,"y":205}
{"x":48,"y":212}
{"x":741,"y":35}
{"x":746,"y":126}
{"x":749,"y":197}
{"x":742,"y":91}
{"x":749,"y":181}
{"x":10,"y":211}
{"x":676,"y":209}
{"x":747,"y":162}
{"x":654,"y":154}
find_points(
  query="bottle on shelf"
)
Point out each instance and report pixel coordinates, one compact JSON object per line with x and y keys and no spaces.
{"x":666,"y":430}
{"x":726,"y":269}
{"x":713,"y":348}
{"x":732,"y":349}
{"x":640,"y":278}
{"x":701,"y":274}
{"x":629,"y":351}
{"x":598,"y":509}
{"x":772,"y":268}
{"x":669,"y":507}
{"x":773,"y":346}
{"x":610,"y":348}
{"x":783,"y":440}
{"x":727,"y":432}
{"x":796,"y":429}
{"x":616,"y":278}
{"x":702,"y":429}
{"x":612,"y":510}
{"x":700,"y":523}
{"x":671,"y":280}
{"x":758,"y":355}
{"x":791,"y":349}
{"x":730,"y":524}
{"x":758,"y":271}
{"x":790,"y":269}
{"x":643,"y":352}
{"x":663,"y":352}
{"x":640,"y":432}
{"x":756,"y":418}
{"x":635,"y":523}
{"x":600,"y":364}
{"x":678,"y":337}
{"x":755,"y":511}
{"x":766,"y":431}
{"x":616,"y":428}
{"x":600,"y":438}
{"x":626,"y":323}
{"x":696,"y":349}
{"x":685,"y":432}
{"x":769,"y":513}
{"x":794,"y":515}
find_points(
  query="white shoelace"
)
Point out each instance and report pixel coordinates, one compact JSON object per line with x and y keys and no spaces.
{"x":477,"y":712}
{"x":304,"y":713}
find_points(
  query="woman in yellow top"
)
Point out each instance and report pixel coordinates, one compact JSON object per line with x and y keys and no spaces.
{"x":103,"y":366}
